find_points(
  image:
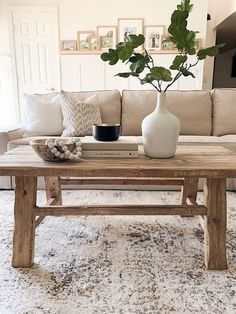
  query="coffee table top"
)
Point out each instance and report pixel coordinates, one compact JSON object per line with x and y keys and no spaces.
{"x":189,"y":161}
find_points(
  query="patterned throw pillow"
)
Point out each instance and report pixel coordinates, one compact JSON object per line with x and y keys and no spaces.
{"x":79,"y":115}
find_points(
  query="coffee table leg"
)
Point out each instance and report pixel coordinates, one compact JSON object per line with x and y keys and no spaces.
{"x":24,"y":229}
{"x":189,"y":189}
{"x":215,"y":224}
{"x":53,"y":189}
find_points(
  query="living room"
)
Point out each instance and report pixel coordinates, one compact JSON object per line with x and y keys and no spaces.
{"x":117,"y":156}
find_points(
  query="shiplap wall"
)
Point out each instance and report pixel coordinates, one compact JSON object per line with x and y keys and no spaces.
{"x":89,"y":72}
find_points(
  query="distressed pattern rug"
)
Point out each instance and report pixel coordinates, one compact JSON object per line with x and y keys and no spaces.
{"x":121,"y":264}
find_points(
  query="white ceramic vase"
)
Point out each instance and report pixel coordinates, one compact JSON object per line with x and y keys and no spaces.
{"x":160,"y":131}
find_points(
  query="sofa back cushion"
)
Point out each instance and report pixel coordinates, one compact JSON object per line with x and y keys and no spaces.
{"x":193,"y":108}
{"x":109,"y":104}
{"x":224,"y":111}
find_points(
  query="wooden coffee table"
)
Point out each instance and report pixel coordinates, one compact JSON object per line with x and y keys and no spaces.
{"x":215,"y":163}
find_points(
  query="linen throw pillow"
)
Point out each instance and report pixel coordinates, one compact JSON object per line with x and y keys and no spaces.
{"x":79,"y":115}
{"x":39,"y":110}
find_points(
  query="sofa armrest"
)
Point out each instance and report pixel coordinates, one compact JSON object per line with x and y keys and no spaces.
{"x":3,"y":142}
{"x":15,"y":134}
{"x":9,"y":135}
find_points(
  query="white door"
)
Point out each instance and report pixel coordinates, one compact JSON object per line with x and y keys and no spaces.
{"x":36,"y":52}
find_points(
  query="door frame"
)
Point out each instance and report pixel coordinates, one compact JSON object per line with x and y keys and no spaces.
{"x":22,"y":8}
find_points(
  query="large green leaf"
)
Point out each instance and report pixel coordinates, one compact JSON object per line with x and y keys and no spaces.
{"x":185,"y":6}
{"x":210,"y":51}
{"x":186,"y":72}
{"x":178,"y":23}
{"x":139,"y":57}
{"x":136,"y":40}
{"x":147,"y":79}
{"x":111,"y":56}
{"x":138,"y":66}
{"x":126,"y":74}
{"x":161,"y":74}
{"x":125,"y":52}
{"x":178,"y":61}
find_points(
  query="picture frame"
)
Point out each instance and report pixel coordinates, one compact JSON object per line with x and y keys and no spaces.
{"x":94,"y":43}
{"x":167,"y":45}
{"x":83,"y":40}
{"x":153,"y":37}
{"x":68,"y":45}
{"x":128,"y":26}
{"x":198,"y":44}
{"x":108,"y":36}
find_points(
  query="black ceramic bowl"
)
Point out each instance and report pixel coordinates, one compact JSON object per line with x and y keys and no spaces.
{"x":106,"y":132}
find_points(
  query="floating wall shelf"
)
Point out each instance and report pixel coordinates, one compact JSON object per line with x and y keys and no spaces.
{"x":64,"y":52}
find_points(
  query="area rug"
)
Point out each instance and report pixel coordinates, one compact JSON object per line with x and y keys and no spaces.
{"x":121,"y":264}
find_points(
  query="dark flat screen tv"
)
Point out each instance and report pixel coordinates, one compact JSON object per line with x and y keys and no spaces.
{"x":233,"y":73}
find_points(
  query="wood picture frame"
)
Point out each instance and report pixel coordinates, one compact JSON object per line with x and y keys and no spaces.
{"x":94,"y":43}
{"x":167,"y":45}
{"x":128,"y":26}
{"x":83,"y":40}
{"x":108,"y":36}
{"x":153,"y":37}
{"x":68,"y":45}
{"x":198,"y":43}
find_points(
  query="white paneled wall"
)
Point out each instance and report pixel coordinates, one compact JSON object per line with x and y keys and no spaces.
{"x":89,"y":72}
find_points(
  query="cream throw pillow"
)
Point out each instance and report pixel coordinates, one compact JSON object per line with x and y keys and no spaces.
{"x":43,"y":114}
{"x":79,"y":115}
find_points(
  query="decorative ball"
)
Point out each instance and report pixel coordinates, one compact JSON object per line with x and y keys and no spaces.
{"x":54,"y":150}
{"x":50,"y":145}
{"x":61,"y":143}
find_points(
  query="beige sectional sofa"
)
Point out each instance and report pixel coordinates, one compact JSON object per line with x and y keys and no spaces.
{"x":205,"y":116}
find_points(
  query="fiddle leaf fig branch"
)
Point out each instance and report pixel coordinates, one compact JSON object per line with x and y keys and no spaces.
{"x":183,"y":39}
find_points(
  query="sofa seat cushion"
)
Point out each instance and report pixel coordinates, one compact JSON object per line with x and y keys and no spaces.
{"x":224,"y":111}
{"x":207,"y":139}
{"x":193,"y":108}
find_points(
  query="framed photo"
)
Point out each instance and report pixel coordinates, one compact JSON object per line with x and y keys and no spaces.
{"x":167,"y":45}
{"x":153,"y":35}
{"x":108,"y":36}
{"x":198,"y":44}
{"x":129,"y":26}
{"x":94,"y":43}
{"x":68,"y":45}
{"x":83,"y":40}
